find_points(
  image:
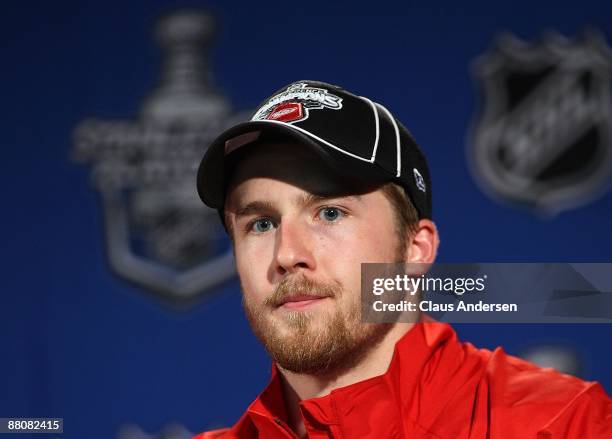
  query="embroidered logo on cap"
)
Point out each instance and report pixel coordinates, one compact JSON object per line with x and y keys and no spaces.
{"x":293,"y":104}
{"x":287,"y":112}
{"x":420,"y":181}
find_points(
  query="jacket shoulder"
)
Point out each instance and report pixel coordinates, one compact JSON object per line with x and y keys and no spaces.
{"x":544,"y":402}
{"x":587,"y":415}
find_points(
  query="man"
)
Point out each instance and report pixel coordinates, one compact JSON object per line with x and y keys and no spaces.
{"x":318,"y":182}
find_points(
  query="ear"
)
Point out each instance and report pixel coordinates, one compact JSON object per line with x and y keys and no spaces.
{"x":423,"y":245}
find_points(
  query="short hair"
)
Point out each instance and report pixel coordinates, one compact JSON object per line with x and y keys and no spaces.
{"x":406,"y":215}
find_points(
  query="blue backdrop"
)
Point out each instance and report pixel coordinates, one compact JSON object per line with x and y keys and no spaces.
{"x":79,"y":343}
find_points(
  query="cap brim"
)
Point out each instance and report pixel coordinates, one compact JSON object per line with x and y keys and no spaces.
{"x":211,"y":179}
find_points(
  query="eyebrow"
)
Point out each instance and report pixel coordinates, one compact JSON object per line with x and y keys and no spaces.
{"x":257,"y":207}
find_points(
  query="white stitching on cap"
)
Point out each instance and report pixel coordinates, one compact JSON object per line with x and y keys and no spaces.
{"x":309,"y":134}
{"x":377,"y":126}
{"x":397,"y":141}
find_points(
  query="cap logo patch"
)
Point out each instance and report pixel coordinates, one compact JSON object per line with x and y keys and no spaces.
{"x":420,"y":181}
{"x":293,"y":104}
{"x":287,"y":112}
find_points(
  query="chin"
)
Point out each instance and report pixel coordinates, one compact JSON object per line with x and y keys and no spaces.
{"x":292,"y":321}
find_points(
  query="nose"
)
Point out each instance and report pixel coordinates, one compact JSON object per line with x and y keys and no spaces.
{"x":293,"y":249}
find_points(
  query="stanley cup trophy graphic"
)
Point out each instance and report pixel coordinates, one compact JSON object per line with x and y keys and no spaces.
{"x":158,"y":234}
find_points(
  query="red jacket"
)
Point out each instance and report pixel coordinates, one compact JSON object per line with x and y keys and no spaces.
{"x":437,"y":387}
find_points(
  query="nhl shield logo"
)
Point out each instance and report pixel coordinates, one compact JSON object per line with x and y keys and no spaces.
{"x":158,"y":233}
{"x":542,"y":138}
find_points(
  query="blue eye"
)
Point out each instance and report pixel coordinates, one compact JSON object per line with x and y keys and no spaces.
{"x":330,"y":214}
{"x":262,"y":225}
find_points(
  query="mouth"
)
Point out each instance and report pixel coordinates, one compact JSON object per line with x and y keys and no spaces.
{"x":300,"y":301}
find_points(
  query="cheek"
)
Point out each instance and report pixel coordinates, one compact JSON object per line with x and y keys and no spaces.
{"x":376,"y":242}
{"x":371,"y":239}
{"x":252,"y":264}
{"x":340,"y":251}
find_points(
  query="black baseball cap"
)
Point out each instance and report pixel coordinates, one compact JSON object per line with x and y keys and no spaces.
{"x":356,"y":137}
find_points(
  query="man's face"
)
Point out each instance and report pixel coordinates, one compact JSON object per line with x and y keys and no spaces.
{"x":300,"y":235}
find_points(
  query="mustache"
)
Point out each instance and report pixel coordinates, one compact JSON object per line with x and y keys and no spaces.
{"x":300,"y":286}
